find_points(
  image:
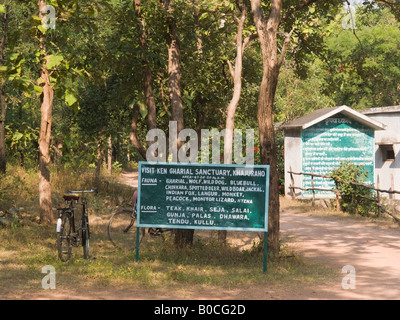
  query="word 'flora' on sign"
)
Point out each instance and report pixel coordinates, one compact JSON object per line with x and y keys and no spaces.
{"x":203,"y":196}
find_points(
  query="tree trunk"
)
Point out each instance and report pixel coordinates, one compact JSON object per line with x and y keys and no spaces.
{"x":147,"y":87}
{"x":182,"y":236}
{"x":134,"y":137}
{"x":237,"y":89}
{"x":267,"y":33}
{"x":46,"y":213}
{"x":150,"y":101}
{"x":98,"y":161}
{"x":109,"y":155}
{"x":3,"y":105}
{"x":174,"y":77}
{"x":3,"y":156}
{"x":146,"y":73}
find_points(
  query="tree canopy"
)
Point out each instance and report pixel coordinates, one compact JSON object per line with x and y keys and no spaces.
{"x":116,"y":69}
{"x":96,"y":60}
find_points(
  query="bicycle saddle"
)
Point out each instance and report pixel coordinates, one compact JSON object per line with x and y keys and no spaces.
{"x":71,"y":196}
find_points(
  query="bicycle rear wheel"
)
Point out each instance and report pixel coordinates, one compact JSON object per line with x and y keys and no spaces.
{"x":85,"y":238}
{"x":122,"y":230}
{"x":64,"y":239}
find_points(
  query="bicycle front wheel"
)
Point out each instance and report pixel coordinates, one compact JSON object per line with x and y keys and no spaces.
{"x":64,"y":238}
{"x":122,"y":230}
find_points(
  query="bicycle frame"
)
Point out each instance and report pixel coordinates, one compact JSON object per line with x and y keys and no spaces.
{"x":71,"y":210}
{"x":84,"y":227}
{"x":75,"y":234}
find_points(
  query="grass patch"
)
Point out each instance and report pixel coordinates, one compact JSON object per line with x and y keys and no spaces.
{"x":25,"y":249}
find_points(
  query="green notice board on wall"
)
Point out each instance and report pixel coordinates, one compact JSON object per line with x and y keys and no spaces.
{"x":203,"y":196}
{"x":326,"y":144}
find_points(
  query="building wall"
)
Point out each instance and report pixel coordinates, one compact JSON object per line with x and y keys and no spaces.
{"x":293,"y":159}
{"x":328,"y":143}
{"x":322,"y":147}
{"x":387,"y":172}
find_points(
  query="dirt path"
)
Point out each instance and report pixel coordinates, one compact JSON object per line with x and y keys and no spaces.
{"x":130,"y":178}
{"x":373,"y":251}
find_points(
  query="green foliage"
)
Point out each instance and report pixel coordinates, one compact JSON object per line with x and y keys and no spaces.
{"x":363,"y":67}
{"x":95,"y":60}
{"x":295,"y":96}
{"x":53,"y":61}
{"x":354,"y":198}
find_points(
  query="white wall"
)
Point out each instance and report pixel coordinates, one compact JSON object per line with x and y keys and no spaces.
{"x":293,"y":159}
{"x":388,"y":171}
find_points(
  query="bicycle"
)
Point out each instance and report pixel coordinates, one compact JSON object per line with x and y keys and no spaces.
{"x":67,"y":233}
{"x":122,"y":228}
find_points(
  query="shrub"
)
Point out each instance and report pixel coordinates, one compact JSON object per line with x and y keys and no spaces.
{"x":355,"y":198}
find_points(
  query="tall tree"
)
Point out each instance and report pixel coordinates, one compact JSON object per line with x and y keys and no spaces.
{"x":272,"y":57}
{"x":182,"y":236}
{"x":267,"y":30}
{"x":146,"y":71}
{"x":3,"y":105}
{"x":236,"y":73}
{"x":151,"y":109}
{"x":46,"y":100}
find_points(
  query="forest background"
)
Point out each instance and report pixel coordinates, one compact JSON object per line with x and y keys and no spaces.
{"x":80,"y":97}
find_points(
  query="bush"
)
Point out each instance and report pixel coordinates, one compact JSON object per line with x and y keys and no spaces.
{"x":354,"y":197}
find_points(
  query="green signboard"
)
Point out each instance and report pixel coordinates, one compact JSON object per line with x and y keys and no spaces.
{"x":203,"y":196}
{"x":326,"y":144}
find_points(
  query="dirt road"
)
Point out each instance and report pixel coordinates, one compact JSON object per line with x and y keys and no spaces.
{"x":130,"y":178}
{"x":373,"y":251}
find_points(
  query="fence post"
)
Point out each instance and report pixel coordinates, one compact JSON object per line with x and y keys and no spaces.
{"x":378,"y":195}
{"x":312,"y":186}
{"x":337,"y":200}
{"x":337,"y":196}
{"x":293,"y":189}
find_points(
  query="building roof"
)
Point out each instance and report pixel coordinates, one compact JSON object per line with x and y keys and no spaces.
{"x":392,"y":109}
{"x":319,"y":115}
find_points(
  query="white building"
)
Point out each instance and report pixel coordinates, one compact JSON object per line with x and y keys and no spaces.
{"x":387,"y":148}
{"x":321,"y":140}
